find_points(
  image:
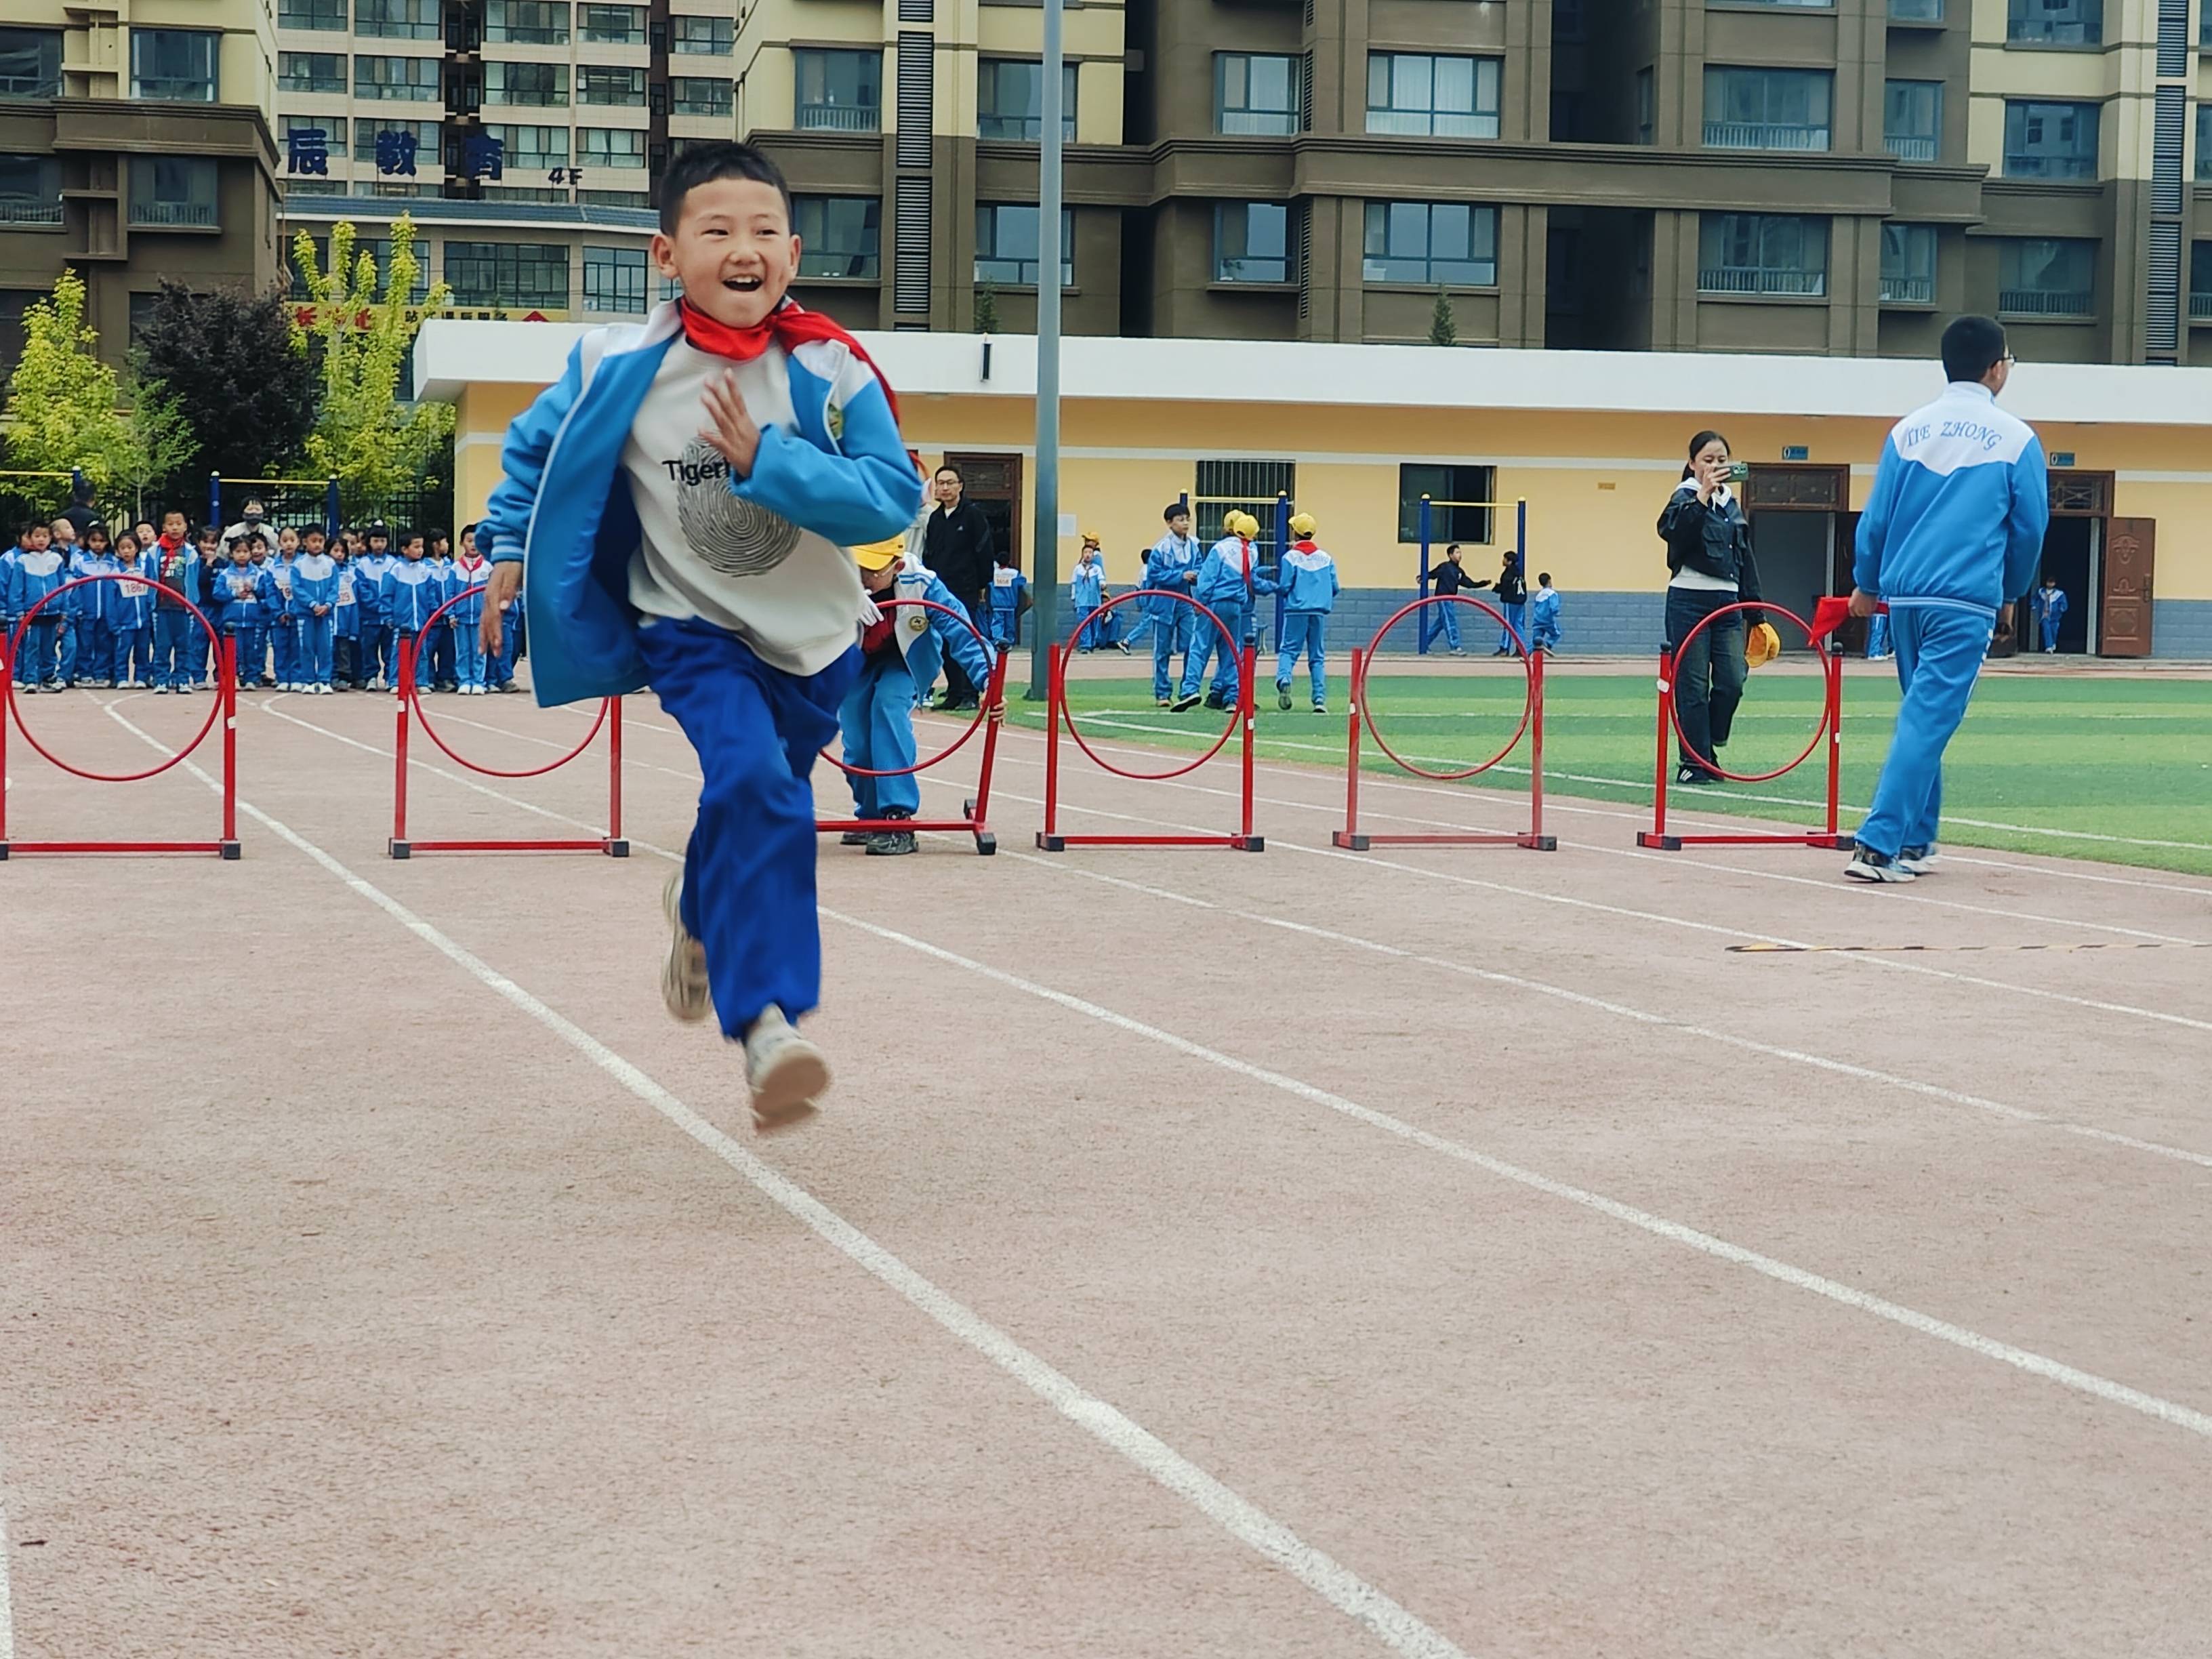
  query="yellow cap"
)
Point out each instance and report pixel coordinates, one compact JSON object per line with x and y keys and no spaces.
{"x":875,"y":555}
{"x":1761,"y":646}
{"x":1303,"y":524}
{"x":1090,"y":538}
{"x":1241,"y":524}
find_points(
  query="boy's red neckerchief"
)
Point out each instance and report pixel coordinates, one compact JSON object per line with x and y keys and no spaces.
{"x":790,"y":325}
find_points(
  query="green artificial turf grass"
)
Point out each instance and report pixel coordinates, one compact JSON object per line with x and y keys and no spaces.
{"x":2081,"y":767}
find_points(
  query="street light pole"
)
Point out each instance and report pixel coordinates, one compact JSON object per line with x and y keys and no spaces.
{"x":1046,"y":533}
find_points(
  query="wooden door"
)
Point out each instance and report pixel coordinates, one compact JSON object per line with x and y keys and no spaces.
{"x":2130,"y":547}
{"x":994,"y":483}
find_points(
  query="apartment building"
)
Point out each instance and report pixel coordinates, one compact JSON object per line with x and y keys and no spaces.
{"x":1827,"y":176}
{"x":526,"y":136}
{"x":135,"y":144}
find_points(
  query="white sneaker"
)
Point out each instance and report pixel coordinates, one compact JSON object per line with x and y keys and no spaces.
{"x":1921,"y":861}
{"x":1866,"y":864}
{"x":683,"y":984}
{"x":787,"y":1073}
{"x":378,"y":684}
{"x":186,"y":689}
{"x":160,"y":691}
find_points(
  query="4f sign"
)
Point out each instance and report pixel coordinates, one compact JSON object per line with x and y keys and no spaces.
{"x":1796,"y":452}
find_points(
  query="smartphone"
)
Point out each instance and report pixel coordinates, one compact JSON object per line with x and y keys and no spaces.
{"x":1740,"y":472}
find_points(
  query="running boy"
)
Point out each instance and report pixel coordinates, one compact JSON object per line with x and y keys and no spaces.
{"x":1309,"y":590}
{"x":689,"y":534}
{"x":1949,"y":539}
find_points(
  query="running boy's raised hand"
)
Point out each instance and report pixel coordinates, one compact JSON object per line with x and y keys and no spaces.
{"x":730,"y":428}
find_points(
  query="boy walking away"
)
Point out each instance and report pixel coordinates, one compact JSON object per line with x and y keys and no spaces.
{"x":1310,"y":589}
{"x":677,"y":510}
{"x":176,"y":630}
{"x":900,"y":653}
{"x":314,"y":601}
{"x":1171,"y":568}
{"x":1010,"y":602}
{"x":1544,"y":615}
{"x":1450,"y":577}
{"x":379,"y":661}
{"x":1949,"y":539}
{"x":131,"y":618}
{"x":956,"y":545}
{"x":1513,"y":600}
{"x":2050,"y":608}
{"x":36,"y":571}
{"x":1227,"y":583}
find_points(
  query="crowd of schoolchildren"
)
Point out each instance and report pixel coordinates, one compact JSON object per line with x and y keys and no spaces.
{"x":306,"y":613}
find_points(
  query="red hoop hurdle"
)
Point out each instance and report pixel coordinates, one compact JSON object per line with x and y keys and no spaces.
{"x":990,"y":714}
{"x":1240,"y":722}
{"x":412,"y":713}
{"x":222,"y":706}
{"x":1531,"y":726}
{"x":1830,"y":730}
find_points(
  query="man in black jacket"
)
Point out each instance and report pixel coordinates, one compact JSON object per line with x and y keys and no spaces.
{"x":1512,"y":590}
{"x":957,"y":544}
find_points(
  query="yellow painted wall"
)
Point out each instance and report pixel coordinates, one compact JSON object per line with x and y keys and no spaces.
{"x":1595,"y":483}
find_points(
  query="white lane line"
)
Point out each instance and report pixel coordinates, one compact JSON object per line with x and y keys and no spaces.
{"x":7,"y":1599}
{"x":1639,"y":1016}
{"x":2065,"y":1375}
{"x":1338,"y":1585}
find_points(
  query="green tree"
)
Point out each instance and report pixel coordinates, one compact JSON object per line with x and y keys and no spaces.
{"x":1443,"y":327}
{"x":380,"y":449}
{"x":239,"y":371}
{"x":986,"y":308}
{"x":67,"y":408}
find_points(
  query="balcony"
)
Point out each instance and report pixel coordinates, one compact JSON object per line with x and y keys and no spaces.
{"x":23,"y":212}
{"x":1798,"y":284}
{"x":1262,"y":122}
{"x":1764,"y":134}
{"x":2037,"y":302}
{"x":1924,"y":13}
{"x":1908,"y":290}
{"x":1907,"y":148}
{"x":2200,"y":307}
{"x":839,"y":117}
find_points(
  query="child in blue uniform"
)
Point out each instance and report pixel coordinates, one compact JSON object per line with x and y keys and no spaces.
{"x":1228,"y":582}
{"x":131,"y":618}
{"x":1310,"y":587}
{"x":1544,"y":615}
{"x":243,"y":593}
{"x":285,"y":613}
{"x":1009,"y":600}
{"x":315,"y":619}
{"x":1949,"y":540}
{"x":2050,"y":608}
{"x":95,"y":631}
{"x":177,"y":566}
{"x":900,"y":651}
{"x":677,"y":510}
{"x":345,"y":609}
{"x":37,"y":571}
{"x":1171,"y":568}
{"x":1086,"y":591}
{"x":412,"y":594}
{"x":378,"y":658}
{"x":471,"y":571}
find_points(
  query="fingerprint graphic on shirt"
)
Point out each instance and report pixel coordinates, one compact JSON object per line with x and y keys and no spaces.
{"x":735,"y":538}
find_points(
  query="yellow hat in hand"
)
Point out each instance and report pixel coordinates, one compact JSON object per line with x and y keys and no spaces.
{"x":1761,"y":646}
{"x":875,"y":555}
{"x":1303,"y":524}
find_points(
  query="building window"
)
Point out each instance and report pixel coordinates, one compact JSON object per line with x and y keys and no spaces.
{"x":528,"y":22}
{"x":396,"y":80}
{"x":531,"y":149}
{"x":614,"y":280}
{"x":1768,"y":108}
{"x":169,"y":191}
{"x":620,"y":26}
{"x":1425,"y":97}
{"x":30,"y":62}
{"x":173,"y":65}
{"x":2041,"y":277}
{"x":1432,"y":243}
{"x":620,"y":198}
{"x":299,"y":288}
{"x":1647,"y":109}
{"x":1255,"y":93}
{"x":699,"y":94}
{"x":2200,"y":282}
{"x":2056,"y":23}
{"x":30,"y":190}
{"x":1916,"y":11}
{"x":311,"y":72}
{"x":329,"y":15}
{"x":379,"y":248}
{"x":620,"y":87}
{"x":1913,"y":119}
{"x":396,"y":20}
{"x":2050,"y":141}
{"x":538,"y":85}
{"x":610,"y":146}
{"x":1256,"y":486}
{"x":839,"y":235}
{"x":365,"y":132}
{"x":1762,"y":253}
{"x":2204,"y":128}
{"x":1908,"y":264}
{"x":1251,"y":242}
{"x":1006,"y":245}
{"x":333,"y":127}
{"x":839,"y":91}
{"x":515,"y":274}
{"x":704,"y":37}
{"x":1009,"y":99}
{"x":1458,"y":503}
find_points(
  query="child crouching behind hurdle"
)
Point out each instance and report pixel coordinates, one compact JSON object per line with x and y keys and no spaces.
{"x":1309,"y":587}
{"x":676,"y":511}
{"x":900,"y":651}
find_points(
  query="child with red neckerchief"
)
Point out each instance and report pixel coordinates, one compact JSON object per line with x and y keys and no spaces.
{"x":676,"y":513}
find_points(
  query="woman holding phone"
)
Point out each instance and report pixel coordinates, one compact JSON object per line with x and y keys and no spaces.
{"x":1709,"y":554}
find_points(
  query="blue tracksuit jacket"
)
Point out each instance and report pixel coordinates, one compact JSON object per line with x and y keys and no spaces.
{"x":412,"y":592}
{"x":1172,"y":558}
{"x":31,"y":578}
{"x":1088,"y":585}
{"x":314,"y":581}
{"x":1960,"y":506}
{"x":1309,"y":582}
{"x":369,"y":571}
{"x":1231,"y":576}
{"x":468,"y":605}
{"x":842,"y":471}
{"x":1010,"y":590}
